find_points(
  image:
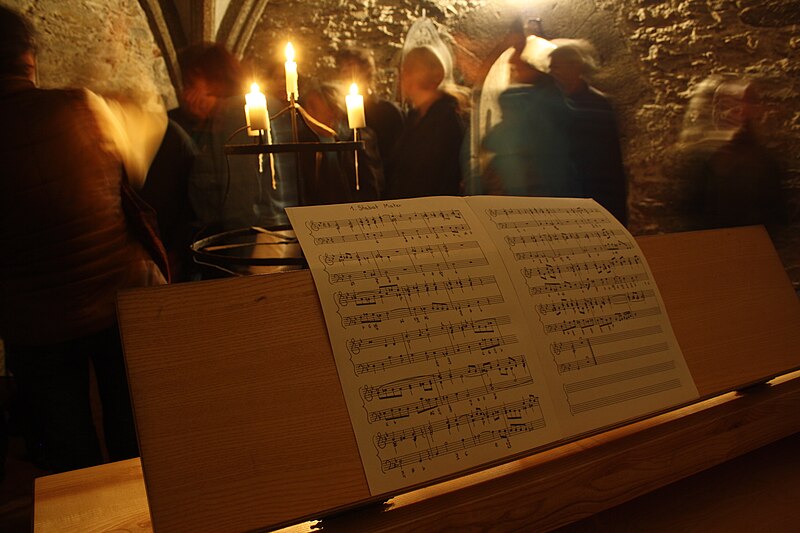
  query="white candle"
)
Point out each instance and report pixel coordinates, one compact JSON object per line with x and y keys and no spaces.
{"x":291,"y":73}
{"x":256,"y":110}
{"x":355,"y":108}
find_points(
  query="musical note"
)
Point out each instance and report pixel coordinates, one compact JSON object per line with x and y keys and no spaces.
{"x":558,"y":347}
{"x":402,"y":292}
{"x":405,"y":270}
{"x":398,"y":388}
{"x":472,"y":418}
{"x":383,"y":220}
{"x":565,"y":252}
{"x":480,"y":326}
{"x":482,"y":438}
{"x":389,"y":253}
{"x":546,"y":238}
{"x":426,"y":404}
{"x":422,"y":310}
{"x":584,"y":305}
{"x":574,"y":268}
{"x":482,"y":345}
{"x":406,"y":234}
{"x":550,"y":213}
{"x":596,"y":283}
{"x":601,"y":320}
{"x":593,"y":360}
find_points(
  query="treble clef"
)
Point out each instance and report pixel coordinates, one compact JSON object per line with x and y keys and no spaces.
{"x":368,"y":393}
{"x":354,"y":346}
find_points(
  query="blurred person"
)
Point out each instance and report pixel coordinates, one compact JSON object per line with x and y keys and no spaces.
{"x":426,"y":159}
{"x":529,"y":148}
{"x":384,"y":118}
{"x":332,"y":179}
{"x":732,"y":178}
{"x":73,"y":234}
{"x":593,"y":133}
{"x":166,"y":190}
{"x":208,"y":73}
{"x":230,"y":192}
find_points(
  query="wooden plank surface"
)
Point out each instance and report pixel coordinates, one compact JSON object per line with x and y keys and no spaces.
{"x":730,"y":302}
{"x":554,"y":488}
{"x":241,"y":417}
{"x":539,"y":492}
{"x":92,"y":500}
{"x":238,"y":404}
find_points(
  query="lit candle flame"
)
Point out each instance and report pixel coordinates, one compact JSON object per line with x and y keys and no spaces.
{"x":254,"y":88}
{"x":354,"y":89}
{"x":289,"y":52}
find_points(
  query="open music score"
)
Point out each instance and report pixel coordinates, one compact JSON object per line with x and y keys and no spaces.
{"x":467,"y":330}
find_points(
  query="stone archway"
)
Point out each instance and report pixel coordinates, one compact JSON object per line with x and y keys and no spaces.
{"x":177,"y":24}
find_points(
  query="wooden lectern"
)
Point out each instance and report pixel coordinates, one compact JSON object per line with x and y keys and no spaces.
{"x":243,"y":425}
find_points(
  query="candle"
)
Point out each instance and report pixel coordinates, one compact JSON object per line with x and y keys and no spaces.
{"x":291,"y":73}
{"x":355,"y":108}
{"x":256,"y":110}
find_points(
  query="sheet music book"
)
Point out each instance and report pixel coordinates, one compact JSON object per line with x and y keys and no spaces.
{"x":471,"y":329}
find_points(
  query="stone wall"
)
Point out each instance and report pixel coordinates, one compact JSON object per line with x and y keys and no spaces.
{"x":106,"y":46}
{"x":654,"y":53}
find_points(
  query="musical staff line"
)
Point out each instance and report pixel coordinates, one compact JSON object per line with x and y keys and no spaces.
{"x":619,"y":377}
{"x":582,"y":305}
{"x":601,"y":321}
{"x":421,"y":310}
{"x":510,"y":411}
{"x":375,"y":273}
{"x":547,"y":211}
{"x":484,"y":325}
{"x":558,"y":347}
{"x":375,"y":220}
{"x":396,"y":389}
{"x":484,"y":437}
{"x":562,"y":252}
{"x":575,"y":268}
{"x":450,"y":229}
{"x":428,"y":404}
{"x":515,"y":224}
{"x":641,"y":392}
{"x":371,"y":297}
{"x":594,"y":360}
{"x":542,"y":238}
{"x":565,"y":286}
{"x":388,"y":253}
{"x":486,"y":344}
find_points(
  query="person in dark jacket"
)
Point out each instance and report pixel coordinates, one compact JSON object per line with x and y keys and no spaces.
{"x":594,"y":144}
{"x":728,"y":175}
{"x":530,"y":146}
{"x":384,"y":118}
{"x":425,"y":161}
{"x":72,"y":237}
{"x":330,"y":177}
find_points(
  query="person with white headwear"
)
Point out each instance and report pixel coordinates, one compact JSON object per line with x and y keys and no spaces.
{"x":593,"y":134}
{"x":426,"y":159}
{"x":530,"y":145}
{"x":727,"y":175}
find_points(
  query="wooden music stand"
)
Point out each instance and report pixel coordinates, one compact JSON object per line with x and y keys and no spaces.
{"x":242,"y":422}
